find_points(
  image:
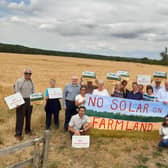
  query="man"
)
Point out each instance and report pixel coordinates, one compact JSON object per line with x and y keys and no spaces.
{"x":135,"y":93}
{"x":90,"y":87}
{"x":157,"y":87}
{"x":163,"y":94}
{"x":100,"y":91}
{"x":26,"y":87}
{"x":79,"y":123}
{"x":70,"y":92}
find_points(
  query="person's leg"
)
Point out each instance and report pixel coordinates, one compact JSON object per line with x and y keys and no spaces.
{"x":29,"y":109}
{"x":163,"y":143}
{"x":48,"y":119}
{"x":73,"y":109}
{"x":67,"y":115}
{"x":20,"y":112}
{"x":56,"y":118}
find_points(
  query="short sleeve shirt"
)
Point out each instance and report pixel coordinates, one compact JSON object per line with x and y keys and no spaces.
{"x":77,"y":122}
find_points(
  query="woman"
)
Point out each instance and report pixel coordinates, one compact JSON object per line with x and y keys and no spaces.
{"x":80,"y":99}
{"x":117,"y":91}
{"x":124,"y":89}
{"x":52,"y":106}
{"x":149,"y":95}
{"x":164,"y":133}
{"x":100,"y":91}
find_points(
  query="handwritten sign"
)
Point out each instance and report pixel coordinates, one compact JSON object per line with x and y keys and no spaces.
{"x":123,"y":73}
{"x":144,"y":79}
{"x":124,"y":114}
{"x":80,"y":141}
{"x":14,"y":100}
{"x":55,"y":93}
{"x":36,"y":97}
{"x":160,"y":75}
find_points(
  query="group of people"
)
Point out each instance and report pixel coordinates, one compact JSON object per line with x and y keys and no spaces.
{"x":73,"y":102}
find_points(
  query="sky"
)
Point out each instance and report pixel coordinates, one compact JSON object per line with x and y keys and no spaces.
{"x":130,"y":28}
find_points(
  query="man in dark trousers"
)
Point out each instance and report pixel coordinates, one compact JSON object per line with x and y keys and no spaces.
{"x":70,"y":92}
{"x":25,"y":86}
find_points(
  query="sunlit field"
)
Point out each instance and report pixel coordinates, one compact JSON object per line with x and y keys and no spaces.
{"x":109,"y":149}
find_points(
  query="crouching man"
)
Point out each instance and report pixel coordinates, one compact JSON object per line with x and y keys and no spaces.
{"x":79,"y":123}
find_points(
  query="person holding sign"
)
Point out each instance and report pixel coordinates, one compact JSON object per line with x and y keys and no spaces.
{"x":100,"y":91}
{"x":157,"y":87}
{"x":70,"y":92}
{"x":117,"y":91}
{"x":79,"y":123}
{"x":135,"y":93}
{"x":25,"y":86}
{"x":124,"y":89}
{"x":80,"y":99}
{"x":164,"y":133}
{"x":52,"y":106}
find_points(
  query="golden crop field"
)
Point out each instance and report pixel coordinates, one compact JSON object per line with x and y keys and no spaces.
{"x":109,"y":149}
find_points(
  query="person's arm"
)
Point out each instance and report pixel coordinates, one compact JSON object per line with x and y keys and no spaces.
{"x":17,"y":86}
{"x":107,"y":93}
{"x":33,"y":87}
{"x":77,"y":102}
{"x":46,"y":94}
{"x":64,"y":96}
{"x":161,"y":132}
{"x":71,"y":129}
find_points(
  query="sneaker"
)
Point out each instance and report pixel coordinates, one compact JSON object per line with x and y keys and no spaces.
{"x":18,"y":137}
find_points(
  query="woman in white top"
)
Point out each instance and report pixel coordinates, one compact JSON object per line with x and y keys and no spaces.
{"x":100,"y":91}
{"x":80,"y":99}
{"x":164,"y":133}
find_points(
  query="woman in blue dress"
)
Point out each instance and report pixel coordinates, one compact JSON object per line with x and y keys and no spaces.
{"x":52,"y":107}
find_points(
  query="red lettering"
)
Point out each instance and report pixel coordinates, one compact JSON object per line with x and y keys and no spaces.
{"x":150,"y":127}
{"x":110,"y":123}
{"x":146,"y":107}
{"x":118,"y":123}
{"x":94,"y":121}
{"x":139,"y":108}
{"x":102,"y":123}
{"x":135,"y":128}
{"x":92,"y":102}
{"x":123,"y":105}
{"x":128,"y":129}
{"x":143,"y":127}
{"x":114,"y":102}
{"x":130,"y":106}
{"x":100,"y":102}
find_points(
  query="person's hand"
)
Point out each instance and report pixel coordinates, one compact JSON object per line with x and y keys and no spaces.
{"x":77,"y":132}
{"x":64,"y":108}
{"x":84,"y":101}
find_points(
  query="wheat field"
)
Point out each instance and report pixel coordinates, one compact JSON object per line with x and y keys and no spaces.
{"x":108,"y":149}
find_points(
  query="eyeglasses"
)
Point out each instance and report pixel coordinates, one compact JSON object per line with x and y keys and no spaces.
{"x":28,"y":73}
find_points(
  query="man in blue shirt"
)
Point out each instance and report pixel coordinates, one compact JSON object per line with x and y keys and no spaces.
{"x":70,"y":92}
{"x":135,"y":93}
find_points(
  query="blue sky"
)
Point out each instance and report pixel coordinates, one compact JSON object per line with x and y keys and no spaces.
{"x":109,"y":27}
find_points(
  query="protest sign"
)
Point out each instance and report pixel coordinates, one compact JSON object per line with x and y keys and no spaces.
{"x":14,"y":100}
{"x":123,"y":73}
{"x":144,"y":79}
{"x":80,"y":141}
{"x":55,"y":93}
{"x":124,"y":114}
{"x":37,"y":98}
{"x":113,"y":76}
{"x":88,"y":74}
{"x":162,"y":75}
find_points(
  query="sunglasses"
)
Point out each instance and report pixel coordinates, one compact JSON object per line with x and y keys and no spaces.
{"x":28,"y":73}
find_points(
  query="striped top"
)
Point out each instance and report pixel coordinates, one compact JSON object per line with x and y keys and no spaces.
{"x":147,"y":97}
{"x":118,"y":94}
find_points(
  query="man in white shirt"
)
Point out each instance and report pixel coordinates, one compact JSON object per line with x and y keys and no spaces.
{"x":79,"y":123}
{"x":157,"y":87}
{"x":100,"y":91}
{"x":163,"y":94}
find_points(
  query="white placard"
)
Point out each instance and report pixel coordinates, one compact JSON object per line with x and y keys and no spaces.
{"x":123,"y":73}
{"x":55,"y":93}
{"x":89,"y":74}
{"x":82,"y":141}
{"x":14,"y":100}
{"x":144,"y":79}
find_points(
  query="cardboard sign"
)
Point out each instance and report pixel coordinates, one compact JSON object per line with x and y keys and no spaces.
{"x":14,"y":100}
{"x":88,"y":74}
{"x":113,"y":76}
{"x":36,"y":97}
{"x":144,"y":79}
{"x":123,"y":73}
{"x":80,"y":141}
{"x":160,"y":75}
{"x":55,"y":93}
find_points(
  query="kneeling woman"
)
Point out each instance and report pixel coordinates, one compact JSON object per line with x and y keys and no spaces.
{"x":52,"y":106}
{"x":164,"y":133}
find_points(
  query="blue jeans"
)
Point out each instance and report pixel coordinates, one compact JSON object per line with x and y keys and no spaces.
{"x":163,"y":143}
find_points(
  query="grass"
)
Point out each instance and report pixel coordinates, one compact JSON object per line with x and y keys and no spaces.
{"x":109,"y":149}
